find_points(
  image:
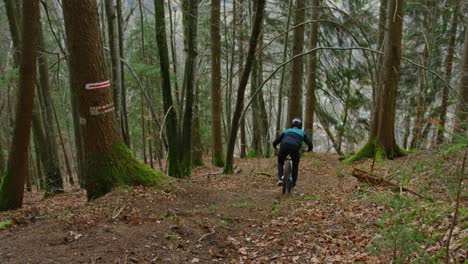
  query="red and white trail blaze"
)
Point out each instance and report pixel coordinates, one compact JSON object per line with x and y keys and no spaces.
{"x":98,"y":110}
{"x":99,"y":85}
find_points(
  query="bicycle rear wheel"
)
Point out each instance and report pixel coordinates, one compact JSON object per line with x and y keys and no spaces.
{"x":287,"y":180}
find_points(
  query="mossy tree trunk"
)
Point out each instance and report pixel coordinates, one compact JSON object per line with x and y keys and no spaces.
{"x":12,"y":185}
{"x":256,"y":28}
{"x":171,"y":121}
{"x":297,"y":67}
{"x":383,"y":145}
{"x":216,"y":101}
{"x":108,"y":162}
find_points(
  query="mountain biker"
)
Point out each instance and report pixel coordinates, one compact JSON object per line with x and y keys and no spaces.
{"x":291,"y":141}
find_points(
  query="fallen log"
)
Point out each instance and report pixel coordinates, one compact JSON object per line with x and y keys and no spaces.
{"x":373,"y":179}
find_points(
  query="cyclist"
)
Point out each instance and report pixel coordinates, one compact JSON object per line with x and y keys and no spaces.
{"x":291,"y":141}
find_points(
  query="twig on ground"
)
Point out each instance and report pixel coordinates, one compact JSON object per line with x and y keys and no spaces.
{"x":263,"y":173}
{"x":118,"y":213}
{"x":213,"y":231}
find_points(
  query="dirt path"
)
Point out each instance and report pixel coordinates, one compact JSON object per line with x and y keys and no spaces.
{"x":208,"y":218}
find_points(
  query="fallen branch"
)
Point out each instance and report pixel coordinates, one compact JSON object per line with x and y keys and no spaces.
{"x":372,"y":179}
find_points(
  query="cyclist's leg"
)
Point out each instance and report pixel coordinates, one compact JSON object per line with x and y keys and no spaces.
{"x":281,"y":157}
{"x":295,"y":160}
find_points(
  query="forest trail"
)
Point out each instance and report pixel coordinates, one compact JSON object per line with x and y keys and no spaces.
{"x":240,"y":218}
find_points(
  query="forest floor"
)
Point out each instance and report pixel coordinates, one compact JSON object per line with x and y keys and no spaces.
{"x":214,"y":218}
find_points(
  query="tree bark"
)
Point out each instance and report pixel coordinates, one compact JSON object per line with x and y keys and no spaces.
{"x":448,"y":72}
{"x":109,"y":162}
{"x":12,"y":186}
{"x":197,"y":156}
{"x":295,"y":95}
{"x":256,"y":28}
{"x":312,"y":75}
{"x":216,"y":101}
{"x":461,"y":110}
{"x":171,"y":121}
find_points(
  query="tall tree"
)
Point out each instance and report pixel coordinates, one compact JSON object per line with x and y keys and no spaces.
{"x":256,"y":28}
{"x":383,"y":145}
{"x":448,"y":71}
{"x":170,"y":111}
{"x":312,"y":75}
{"x":380,"y":45}
{"x":417,"y":129}
{"x":12,"y":185}
{"x":113,"y":32}
{"x":240,"y":36}
{"x":53,"y":175}
{"x":109,"y":162}
{"x":189,"y":82}
{"x":216,"y":101}
{"x":123,"y":97}
{"x":295,"y":94}
{"x":461,"y":110}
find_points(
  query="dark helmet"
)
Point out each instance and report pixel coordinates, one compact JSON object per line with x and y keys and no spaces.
{"x":296,"y":122}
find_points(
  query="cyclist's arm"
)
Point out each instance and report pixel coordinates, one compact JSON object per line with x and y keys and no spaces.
{"x":278,"y":140}
{"x":307,"y":140}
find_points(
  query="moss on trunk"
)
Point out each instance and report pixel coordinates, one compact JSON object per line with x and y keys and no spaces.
{"x":119,"y":167}
{"x":371,"y":149}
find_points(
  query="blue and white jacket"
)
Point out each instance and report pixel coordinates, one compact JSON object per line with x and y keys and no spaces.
{"x":293,"y":137}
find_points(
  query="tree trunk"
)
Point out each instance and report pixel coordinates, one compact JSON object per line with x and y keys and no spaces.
{"x":407,"y":125}
{"x":383,"y":145}
{"x":295,"y":95}
{"x":240,"y":35}
{"x":461,"y":110}
{"x":13,"y":23}
{"x":256,"y":147}
{"x":109,"y":162}
{"x":174,"y":58}
{"x":197,"y":156}
{"x":420,"y":109}
{"x":52,"y":166}
{"x":256,"y":28}
{"x":380,"y":46}
{"x":312,"y":75}
{"x":448,"y":72}
{"x":12,"y":186}
{"x":216,"y":101}
{"x":171,"y":121}
{"x":189,"y":82}
{"x":123,"y":98}
{"x":113,"y":31}
{"x":279,"y":116}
